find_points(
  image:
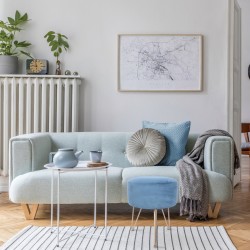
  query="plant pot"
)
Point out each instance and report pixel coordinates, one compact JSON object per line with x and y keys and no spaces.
{"x":8,"y":64}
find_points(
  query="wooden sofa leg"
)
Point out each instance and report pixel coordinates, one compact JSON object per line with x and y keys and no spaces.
{"x":30,"y":211}
{"x":213,"y":213}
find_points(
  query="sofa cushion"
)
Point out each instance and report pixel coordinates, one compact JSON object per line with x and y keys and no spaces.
{"x":75,"y":187}
{"x":220,"y":187}
{"x":176,"y":135}
{"x":146,"y":147}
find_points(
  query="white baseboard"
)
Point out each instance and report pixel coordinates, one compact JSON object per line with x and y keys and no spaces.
{"x":4,"y":184}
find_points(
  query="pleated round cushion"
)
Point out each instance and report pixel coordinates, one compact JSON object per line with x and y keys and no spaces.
{"x":146,"y":147}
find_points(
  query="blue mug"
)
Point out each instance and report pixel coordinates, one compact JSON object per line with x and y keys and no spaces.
{"x":95,"y":156}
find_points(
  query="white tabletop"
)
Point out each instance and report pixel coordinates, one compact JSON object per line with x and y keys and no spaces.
{"x":81,"y":166}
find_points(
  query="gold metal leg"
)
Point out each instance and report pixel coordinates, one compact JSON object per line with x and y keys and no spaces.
{"x":132,"y":224}
{"x":155,"y":228}
{"x":167,"y":223}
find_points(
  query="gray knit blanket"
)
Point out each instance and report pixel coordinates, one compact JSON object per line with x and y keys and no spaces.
{"x":194,"y":189}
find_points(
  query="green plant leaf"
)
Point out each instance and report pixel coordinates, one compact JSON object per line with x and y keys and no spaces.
{"x":22,"y":44}
{"x":11,"y":21}
{"x":27,"y":54}
{"x":53,"y":43}
{"x":50,"y":38}
{"x":49,"y":33}
{"x":65,"y":44}
{"x":24,"y":18}
{"x":17,"y":15}
{"x":54,"y":47}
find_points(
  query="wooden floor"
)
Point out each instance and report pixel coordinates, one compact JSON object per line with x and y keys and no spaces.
{"x":234,"y":215}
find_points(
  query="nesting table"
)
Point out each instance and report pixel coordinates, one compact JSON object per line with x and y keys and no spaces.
{"x":82,"y":166}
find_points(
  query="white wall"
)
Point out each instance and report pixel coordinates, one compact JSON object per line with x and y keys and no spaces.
{"x":92,"y":28}
{"x":245,"y":58}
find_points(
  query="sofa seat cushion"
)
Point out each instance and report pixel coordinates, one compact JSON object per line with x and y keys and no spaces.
{"x":75,"y":187}
{"x":220,"y":187}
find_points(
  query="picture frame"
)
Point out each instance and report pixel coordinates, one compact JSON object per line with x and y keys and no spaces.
{"x":160,"y":62}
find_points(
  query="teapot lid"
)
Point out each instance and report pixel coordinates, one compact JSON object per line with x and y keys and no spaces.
{"x":65,"y":149}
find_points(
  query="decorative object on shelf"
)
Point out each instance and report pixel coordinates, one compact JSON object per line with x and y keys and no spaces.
{"x":66,"y":158}
{"x":160,"y":62}
{"x":75,"y":73}
{"x":10,"y":48}
{"x":67,"y":72}
{"x":57,"y":42}
{"x":37,"y":66}
{"x":58,"y":67}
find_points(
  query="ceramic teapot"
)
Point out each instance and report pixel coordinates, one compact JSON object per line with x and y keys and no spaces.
{"x":66,"y":158}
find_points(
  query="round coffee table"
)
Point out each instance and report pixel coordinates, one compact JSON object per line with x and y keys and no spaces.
{"x":82,"y":166}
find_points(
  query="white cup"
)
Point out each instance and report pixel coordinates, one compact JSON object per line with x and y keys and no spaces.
{"x":95,"y":156}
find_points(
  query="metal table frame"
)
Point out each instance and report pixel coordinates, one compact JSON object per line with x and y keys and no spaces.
{"x":80,"y":167}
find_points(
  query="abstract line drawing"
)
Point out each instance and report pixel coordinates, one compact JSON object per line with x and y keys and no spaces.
{"x":159,"y":62}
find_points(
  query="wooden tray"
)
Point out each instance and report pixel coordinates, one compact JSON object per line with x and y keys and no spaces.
{"x":96,"y":164}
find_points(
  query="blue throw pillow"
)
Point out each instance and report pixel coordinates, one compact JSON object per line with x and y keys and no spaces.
{"x":176,"y":135}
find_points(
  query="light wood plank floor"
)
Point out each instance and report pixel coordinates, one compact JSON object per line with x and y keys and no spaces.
{"x":234,"y":215}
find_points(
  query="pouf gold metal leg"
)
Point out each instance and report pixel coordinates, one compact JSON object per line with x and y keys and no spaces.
{"x":132,"y":223}
{"x":155,"y":228}
{"x":167,"y":223}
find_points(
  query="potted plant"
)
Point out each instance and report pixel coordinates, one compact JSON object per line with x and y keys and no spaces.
{"x":58,"y":43}
{"x":10,"y":48}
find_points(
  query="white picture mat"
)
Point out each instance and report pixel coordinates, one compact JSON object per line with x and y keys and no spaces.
{"x":159,"y":62}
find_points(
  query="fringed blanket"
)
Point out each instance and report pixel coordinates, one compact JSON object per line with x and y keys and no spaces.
{"x":194,"y":182}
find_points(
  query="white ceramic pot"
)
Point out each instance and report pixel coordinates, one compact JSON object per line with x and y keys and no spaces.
{"x":8,"y":64}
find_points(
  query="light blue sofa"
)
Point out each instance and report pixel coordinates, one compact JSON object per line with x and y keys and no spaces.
{"x":30,"y":181}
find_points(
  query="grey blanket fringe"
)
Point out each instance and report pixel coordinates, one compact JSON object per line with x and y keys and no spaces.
{"x":194,"y":182}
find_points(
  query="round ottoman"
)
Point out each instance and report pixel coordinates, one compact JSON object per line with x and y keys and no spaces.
{"x":152,"y":192}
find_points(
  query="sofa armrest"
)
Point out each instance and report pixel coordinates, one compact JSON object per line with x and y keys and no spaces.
{"x":28,"y":153}
{"x":219,"y":155}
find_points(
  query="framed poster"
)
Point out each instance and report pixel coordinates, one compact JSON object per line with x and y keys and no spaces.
{"x":159,"y":62}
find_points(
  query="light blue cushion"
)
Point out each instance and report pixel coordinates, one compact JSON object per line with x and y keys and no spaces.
{"x":176,"y":135}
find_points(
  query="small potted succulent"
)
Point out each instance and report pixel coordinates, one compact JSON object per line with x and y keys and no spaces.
{"x":10,"y":48}
{"x":58,"y":42}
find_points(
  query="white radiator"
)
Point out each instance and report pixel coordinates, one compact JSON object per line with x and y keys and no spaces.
{"x":36,"y":104}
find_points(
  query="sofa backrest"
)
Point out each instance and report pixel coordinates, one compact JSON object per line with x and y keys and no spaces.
{"x":112,"y":144}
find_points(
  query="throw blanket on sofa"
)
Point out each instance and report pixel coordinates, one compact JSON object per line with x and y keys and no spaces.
{"x":194,"y":182}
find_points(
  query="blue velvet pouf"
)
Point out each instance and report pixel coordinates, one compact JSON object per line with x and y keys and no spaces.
{"x":152,"y":192}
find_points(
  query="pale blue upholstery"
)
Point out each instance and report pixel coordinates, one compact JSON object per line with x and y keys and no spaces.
{"x":152,"y":192}
{"x":30,"y":152}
